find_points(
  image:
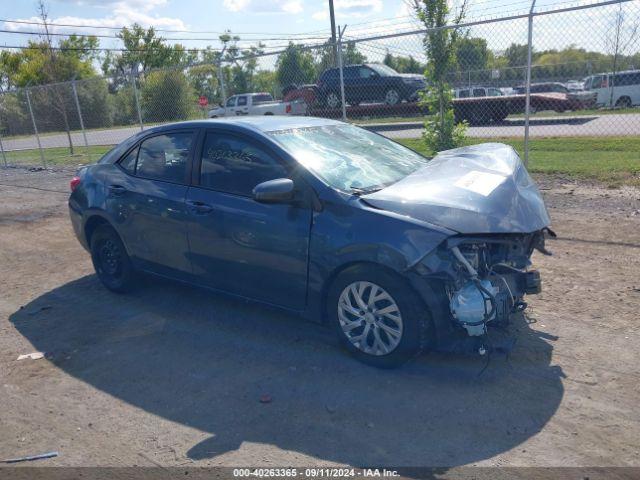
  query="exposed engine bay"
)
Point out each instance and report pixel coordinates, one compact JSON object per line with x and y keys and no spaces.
{"x":486,"y":279}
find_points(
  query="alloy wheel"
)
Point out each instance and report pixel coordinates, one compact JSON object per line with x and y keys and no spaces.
{"x":332,"y":100}
{"x":370,"y":318}
{"x":392,"y":97}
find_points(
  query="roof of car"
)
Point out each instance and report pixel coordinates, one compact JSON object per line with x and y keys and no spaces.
{"x":259,"y":123}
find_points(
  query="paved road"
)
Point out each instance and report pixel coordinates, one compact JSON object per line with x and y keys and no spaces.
{"x":578,"y":126}
{"x":599,"y":126}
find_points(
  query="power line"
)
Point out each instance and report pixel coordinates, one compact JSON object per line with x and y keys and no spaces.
{"x":68,"y":34}
{"x":104,"y":27}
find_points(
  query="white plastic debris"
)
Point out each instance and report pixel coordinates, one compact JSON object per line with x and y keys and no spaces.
{"x":32,"y":356}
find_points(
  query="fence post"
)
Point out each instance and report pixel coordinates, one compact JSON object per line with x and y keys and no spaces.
{"x":221,"y":80}
{"x":75,"y":97}
{"x":35,"y":128}
{"x":135,"y":95}
{"x":342,"y":97}
{"x":4,"y":156}
{"x":527,"y":101}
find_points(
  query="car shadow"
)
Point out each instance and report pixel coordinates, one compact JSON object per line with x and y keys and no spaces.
{"x":205,"y":361}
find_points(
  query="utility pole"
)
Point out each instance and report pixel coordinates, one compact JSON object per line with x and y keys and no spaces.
{"x":333,"y":32}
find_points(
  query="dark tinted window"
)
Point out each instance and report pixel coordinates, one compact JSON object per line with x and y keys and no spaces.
{"x":262,"y":98}
{"x":165,"y":157}
{"x":463,"y":94}
{"x":625,"y":79}
{"x":234,"y":165}
{"x":479,"y":92}
{"x":364,"y":72}
{"x":231,"y":102}
{"x":329,"y":75}
{"x":128,"y":163}
{"x":242,"y":101}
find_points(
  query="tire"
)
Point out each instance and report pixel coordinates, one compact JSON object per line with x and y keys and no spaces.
{"x":624,"y":102}
{"x":416,"y":330}
{"x":332,"y":100}
{"x":269,"y":113}
{"x":111,"y":261}
{"x":392,"y":97}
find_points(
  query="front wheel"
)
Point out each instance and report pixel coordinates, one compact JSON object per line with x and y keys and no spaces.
{"x":111,"y":261}
{"x":392,"y":97}
{"x":378,"y":317}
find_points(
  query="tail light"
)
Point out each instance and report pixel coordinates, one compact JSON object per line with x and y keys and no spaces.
{"x":288,"y":108}
{"x":75,"y":181}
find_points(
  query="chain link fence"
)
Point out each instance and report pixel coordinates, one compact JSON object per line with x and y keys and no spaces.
{"x":584,"y":72}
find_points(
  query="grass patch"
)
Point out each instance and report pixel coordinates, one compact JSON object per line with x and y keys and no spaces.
{"x":56,"y":156}
{"x":614,"y":161}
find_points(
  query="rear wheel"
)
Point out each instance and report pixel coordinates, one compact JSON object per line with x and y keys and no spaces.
{"x":378,"y":317}
{"x":623,"y":102}
{"x":111,"y":261}
{"x":333,"y":100}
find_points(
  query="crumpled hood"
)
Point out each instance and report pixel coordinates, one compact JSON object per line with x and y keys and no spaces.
{"x":478,"y":189}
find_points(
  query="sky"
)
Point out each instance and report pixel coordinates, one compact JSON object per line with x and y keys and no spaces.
{"x":275,"y":22}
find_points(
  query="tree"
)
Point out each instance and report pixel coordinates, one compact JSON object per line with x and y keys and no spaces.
{"x":624,"y":36}
{"x":295,"y":66}
{"x":441,"y":131}
{"x":472,"y":54}
{"x":403,"y":64}
{"x":167,"y":95}
{"x":143,"y":51}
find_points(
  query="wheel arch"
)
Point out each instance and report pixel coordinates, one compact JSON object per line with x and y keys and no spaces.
{"x":430,"y":292}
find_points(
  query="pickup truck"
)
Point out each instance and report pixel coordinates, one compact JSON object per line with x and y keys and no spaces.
{"x":257,"y":104}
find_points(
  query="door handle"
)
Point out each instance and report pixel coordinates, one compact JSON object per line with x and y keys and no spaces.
{"x":199,"y":208}
{"x":117,"y":190}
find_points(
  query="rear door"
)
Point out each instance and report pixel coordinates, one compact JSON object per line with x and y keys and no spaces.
{"x":148,"y":200}
{"x":237,"y":244}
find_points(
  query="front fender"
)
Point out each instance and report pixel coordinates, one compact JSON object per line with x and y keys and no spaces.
{"x":351,"y":233}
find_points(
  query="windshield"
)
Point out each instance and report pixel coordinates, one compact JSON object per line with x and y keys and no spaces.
{"x":349,"y":158}
{"x":383,"y":70}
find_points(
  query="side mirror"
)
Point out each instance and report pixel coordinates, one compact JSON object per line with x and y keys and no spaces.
{"x":279,"y":190}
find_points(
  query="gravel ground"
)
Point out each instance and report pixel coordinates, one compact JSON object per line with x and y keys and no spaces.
{"x":173,"y":375}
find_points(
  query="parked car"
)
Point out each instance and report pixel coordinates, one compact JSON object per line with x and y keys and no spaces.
{"x":620,"y":90}
{"x":399,"y":253}
{"x":477,"y":92}
{"x":257,"y":104}
{"x":575,"y":100}
{"x":372,"y":82}
{"x":574,"y":85}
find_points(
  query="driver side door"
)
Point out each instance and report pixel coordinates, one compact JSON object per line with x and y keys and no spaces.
{"x":237,"y":244}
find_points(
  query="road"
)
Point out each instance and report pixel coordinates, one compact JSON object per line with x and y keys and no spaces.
{"x":598,"y":126}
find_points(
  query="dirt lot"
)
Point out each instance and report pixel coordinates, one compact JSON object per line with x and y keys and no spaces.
{"x":173,"y":375}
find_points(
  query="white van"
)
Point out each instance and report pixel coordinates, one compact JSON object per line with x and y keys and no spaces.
{"x":625,"y":86}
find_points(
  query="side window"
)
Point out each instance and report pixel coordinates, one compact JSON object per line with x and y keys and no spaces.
{"x":463,"y":94}
{"x":365,"y":72}
{"x":231,"y":102}
{"x":165,"y":157}
{"x":242,"y":101}
{"x":233,"y":165}
{"x":128,"y":163}
{"x":479,"y":92}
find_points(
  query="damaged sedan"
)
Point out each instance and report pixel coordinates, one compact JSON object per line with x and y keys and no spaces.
{"x":399,"y":253}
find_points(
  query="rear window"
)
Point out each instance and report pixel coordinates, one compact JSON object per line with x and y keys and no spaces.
{"x":165,"y":157}
{"x":262,"y":98}
{"x":329,"y":75}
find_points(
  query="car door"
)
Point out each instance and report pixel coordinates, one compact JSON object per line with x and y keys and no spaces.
{"x":237,"y":244}
{"x":371,"y":87}
{"x":242,"y":107}
{"x":147,"y":198}
{"x":230,"y":106}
